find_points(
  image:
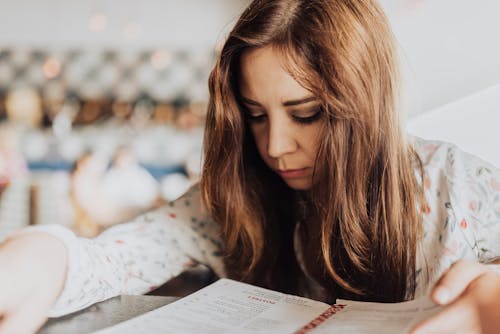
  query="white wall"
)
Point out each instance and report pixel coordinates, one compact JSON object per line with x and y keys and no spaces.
{"x":450,"y":48}
{"x":174,"y":24}
{"x":470,"y":122}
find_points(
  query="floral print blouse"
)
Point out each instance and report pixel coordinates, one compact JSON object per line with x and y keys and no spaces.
{"x":461,"y":221}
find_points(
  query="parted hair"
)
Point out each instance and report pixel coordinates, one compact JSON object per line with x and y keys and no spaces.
{"x":360,"y":222}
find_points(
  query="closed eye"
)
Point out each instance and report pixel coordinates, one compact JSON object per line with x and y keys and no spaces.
{"x":303,"y":120}
{"x":255,"y":118}
{"x":308,"y":119}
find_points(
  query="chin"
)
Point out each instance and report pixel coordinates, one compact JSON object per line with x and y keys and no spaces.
{"x":299,"y":184}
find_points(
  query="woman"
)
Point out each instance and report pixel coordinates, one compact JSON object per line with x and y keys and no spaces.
{"x":315,"y":89}
{"x":308,"y":187}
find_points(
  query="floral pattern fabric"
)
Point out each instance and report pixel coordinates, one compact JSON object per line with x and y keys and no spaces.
{"x":462,"y":215}
{"x":461,"y":221}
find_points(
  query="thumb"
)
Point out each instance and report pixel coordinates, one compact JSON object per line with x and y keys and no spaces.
{"x":455,"y":318}
{"x":455,"y":280}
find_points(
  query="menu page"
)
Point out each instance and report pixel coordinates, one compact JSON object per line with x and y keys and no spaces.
{"x":226,"y":306}
{"x":350,"y":317}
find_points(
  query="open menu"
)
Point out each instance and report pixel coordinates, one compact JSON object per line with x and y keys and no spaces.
{"x":228,"y":306}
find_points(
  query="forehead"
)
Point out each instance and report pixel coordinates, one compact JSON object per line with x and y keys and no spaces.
{"x":268,"y":71}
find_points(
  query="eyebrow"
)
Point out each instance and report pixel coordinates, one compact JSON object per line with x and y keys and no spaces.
{"x":286,"y":103}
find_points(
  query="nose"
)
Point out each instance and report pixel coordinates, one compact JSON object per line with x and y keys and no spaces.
{"x":281,"y":139}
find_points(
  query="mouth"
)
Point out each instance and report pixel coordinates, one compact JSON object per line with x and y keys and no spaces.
{"x":293,"y":173}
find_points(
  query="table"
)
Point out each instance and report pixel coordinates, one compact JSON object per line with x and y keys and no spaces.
{"x":104,"y":314}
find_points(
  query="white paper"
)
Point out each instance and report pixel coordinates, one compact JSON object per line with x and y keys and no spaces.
{"x":226,"y":306}
{"x":350,"y":317}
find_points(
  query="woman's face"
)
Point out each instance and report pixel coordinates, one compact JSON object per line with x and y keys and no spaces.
{"x":284,"y":117}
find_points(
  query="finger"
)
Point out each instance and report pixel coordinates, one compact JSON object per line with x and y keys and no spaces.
{"x":456,"y":318}
{"x":455,"y":280}
{"x":25,"y":321}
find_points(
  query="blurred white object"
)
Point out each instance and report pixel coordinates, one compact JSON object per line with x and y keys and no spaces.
{"x":116,"y":195}
{"x":71,"y":148}
{"x":35,"y":145}
{"x":472,"y":123}
{"x":128,"y":184}
{"x":174,"y":185}
{"x":194,"y":164}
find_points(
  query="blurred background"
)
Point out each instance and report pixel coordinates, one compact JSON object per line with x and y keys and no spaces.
{"x":102,"y":102}
{"x":102,"y":105}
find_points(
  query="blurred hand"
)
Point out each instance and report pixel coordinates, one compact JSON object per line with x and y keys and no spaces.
{"x":32,"y":275}
{"x":470,"y":293}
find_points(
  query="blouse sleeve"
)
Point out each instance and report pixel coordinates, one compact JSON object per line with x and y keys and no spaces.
{"x":474,"y":186}
{"x":137,"y":257}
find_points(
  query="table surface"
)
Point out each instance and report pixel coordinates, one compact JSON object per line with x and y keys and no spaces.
{"x":104,"y":314}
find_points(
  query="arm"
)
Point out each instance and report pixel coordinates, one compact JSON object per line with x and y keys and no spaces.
{"x":32,"y":273}
{"x":136,"y":257}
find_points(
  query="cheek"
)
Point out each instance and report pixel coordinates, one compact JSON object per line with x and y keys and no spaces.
{"x":311,"y":141}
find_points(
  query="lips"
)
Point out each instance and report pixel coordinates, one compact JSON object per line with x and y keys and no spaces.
{"x":293,"y":173}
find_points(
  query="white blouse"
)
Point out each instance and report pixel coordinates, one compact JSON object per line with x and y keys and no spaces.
{"x":461,"y":221}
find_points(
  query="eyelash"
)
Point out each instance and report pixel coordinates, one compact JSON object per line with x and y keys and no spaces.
{"x":300,"y":120}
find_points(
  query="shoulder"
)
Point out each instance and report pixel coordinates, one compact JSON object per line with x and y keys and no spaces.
{"x":188,"y":204}
{"x":190,"y":197}
{"x":459,"y":189}
{"x":190,"y":210}
{"x":432,"y":151}
{"x":449,"y":159}
{"x":439,"y":160}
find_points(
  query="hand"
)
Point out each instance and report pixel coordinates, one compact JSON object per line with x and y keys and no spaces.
{"x":32,"y":275}
{"x":470,"y":293}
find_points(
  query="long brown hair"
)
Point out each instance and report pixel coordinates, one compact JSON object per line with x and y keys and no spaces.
{"x":365,"y":209}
